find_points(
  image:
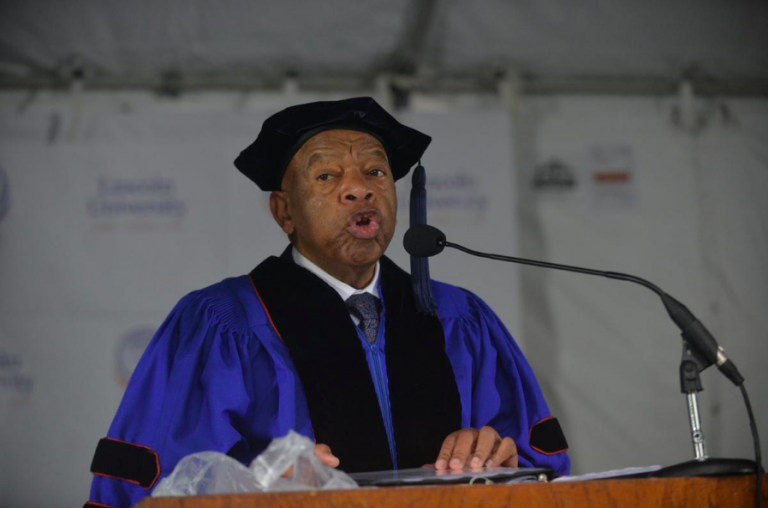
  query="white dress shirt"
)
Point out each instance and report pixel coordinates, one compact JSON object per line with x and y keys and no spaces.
{"x":344,"y":290}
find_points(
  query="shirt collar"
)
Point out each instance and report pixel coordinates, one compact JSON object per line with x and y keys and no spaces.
{"x":344,"y":290}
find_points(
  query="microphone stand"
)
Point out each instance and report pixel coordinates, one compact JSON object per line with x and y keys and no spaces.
{"x":690,"y":385}
{"x":691,"y":365}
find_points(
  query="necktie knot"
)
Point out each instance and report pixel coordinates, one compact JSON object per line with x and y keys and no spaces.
{"x":366,"y":307}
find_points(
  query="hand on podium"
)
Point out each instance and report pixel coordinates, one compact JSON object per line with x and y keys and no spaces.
{"x":323,"y":452}
{"x":476,"y":448}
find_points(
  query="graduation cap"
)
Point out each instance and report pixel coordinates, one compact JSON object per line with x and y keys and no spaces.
{"x":283,"y":134}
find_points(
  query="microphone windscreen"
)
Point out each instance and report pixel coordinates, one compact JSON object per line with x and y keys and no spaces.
{"x":424,"y":241}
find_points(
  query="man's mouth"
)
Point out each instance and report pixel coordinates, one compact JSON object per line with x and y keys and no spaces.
{"x":365,"y":224}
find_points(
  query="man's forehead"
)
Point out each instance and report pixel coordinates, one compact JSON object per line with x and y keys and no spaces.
{"x":341,"y":139}
{"x":329,"y":145}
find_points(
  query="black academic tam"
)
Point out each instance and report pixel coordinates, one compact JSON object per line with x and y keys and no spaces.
{"x":283,"y":134}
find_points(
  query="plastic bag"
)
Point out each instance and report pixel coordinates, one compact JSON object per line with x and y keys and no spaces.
{"x":216,"y":473}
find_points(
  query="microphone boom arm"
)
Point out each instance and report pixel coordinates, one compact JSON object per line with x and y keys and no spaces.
{"x":568,"y":268}
{"x":693,"y":331}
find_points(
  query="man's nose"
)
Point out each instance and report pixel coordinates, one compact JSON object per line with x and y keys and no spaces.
{"x":356,"y":190}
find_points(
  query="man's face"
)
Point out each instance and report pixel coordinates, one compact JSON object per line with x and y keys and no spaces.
{"x":338,"y":202}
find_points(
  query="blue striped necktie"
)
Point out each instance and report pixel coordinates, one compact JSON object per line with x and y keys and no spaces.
{"x":366,"y":307}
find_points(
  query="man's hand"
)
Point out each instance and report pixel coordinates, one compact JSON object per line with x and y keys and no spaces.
{"x":323,"y":452}
{"x":476,"y":448}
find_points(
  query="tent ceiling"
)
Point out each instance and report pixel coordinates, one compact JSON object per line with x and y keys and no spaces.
{"x":259,"y":42}
{"x":607,"y":38}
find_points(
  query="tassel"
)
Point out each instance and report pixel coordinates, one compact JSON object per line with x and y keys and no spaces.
{"x":422,"y":290}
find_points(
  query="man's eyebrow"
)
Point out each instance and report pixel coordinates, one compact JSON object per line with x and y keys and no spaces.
{"x":319,"y":156}
{"x":378,"y":152}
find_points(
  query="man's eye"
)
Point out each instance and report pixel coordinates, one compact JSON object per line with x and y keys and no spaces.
{"x":324,"y":177}
{"x":376,"y":172}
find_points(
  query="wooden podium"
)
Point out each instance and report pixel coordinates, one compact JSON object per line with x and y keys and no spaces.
{"x":725,"y":492}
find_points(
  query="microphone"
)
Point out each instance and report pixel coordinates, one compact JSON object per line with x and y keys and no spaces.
{"x":424,"y":241}
{"x":428,"y":241}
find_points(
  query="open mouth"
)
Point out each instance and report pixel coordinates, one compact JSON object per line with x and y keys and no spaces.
{"x":364,"y":224}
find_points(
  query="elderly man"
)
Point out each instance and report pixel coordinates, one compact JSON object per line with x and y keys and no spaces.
{"x":328,"y":339}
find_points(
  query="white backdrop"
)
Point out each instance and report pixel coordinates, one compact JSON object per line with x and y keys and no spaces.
{"x":120,"y":208}
{"x":111,"y":210}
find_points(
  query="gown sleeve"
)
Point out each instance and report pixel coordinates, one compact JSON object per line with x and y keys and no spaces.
{"x":194,"y":390}
{"x":496,"y":384}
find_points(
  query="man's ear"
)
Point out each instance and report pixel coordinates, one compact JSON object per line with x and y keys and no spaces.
{"x":278,"y":205}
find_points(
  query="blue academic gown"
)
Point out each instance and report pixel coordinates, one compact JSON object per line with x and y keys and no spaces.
{"x":217,"y":377}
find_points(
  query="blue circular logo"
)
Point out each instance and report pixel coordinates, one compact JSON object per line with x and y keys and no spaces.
{"x":5,"y":196}
{"x":129,"y":350}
